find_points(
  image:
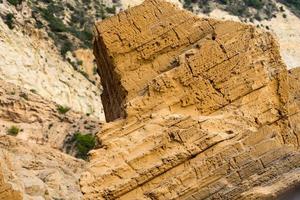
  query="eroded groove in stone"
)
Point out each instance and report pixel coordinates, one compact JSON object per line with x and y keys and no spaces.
{"x":209,"y":109}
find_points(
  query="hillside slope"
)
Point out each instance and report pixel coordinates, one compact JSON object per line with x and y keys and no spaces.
{"x":30,"y":59}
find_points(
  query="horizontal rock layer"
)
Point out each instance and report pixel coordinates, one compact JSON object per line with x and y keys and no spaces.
{"x":210,"y":111}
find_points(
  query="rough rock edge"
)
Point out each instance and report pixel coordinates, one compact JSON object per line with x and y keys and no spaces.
{"x":119,"y":170}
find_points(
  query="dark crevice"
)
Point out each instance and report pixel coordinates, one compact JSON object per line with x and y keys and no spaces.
{"x":114,"y":94}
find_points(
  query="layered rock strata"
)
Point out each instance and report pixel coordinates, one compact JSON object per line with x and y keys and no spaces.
{"x":30,"y":172}
{"x":202,"y":109}
{"x":34,"y":164}
{"x":31,"y":62}
{"x":39,"y":120}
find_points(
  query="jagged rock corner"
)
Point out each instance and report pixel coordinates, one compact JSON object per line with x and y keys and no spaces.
{"x":197,"y":109}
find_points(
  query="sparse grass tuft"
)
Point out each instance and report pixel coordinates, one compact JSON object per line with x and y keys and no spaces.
{"x":63,"y":109}
{"x":13,"y":131}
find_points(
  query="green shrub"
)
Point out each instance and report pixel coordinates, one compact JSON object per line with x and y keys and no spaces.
{"x":101,"y":12}
{"x":84,"y":74}
{"x":66,"y":46}
{"x":15,"y":2}
{"x":55,"y":8}
{"x":187,"y":4}
{"x":240,"y":8}
{"x":85,"y":36}
{"x":294,"y":3}
{"x":258,"y":4}
{"x":294,"y":6}
{"x":63,"y":109}
{"x":84,"y":143}
{"x":9,"y":20}
{"x":13,"y":130}
{"x":39,"y":24}
{"x":78,"y":16}
{"x":111,"y":10}
{"x":55,"y":24}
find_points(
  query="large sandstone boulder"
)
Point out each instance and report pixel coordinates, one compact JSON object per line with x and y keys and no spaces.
{"x":202,"y":109}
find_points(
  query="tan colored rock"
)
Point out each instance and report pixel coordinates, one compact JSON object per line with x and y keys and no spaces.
{"x":89,"y":66}
{"x":39,"y":120}
{"x":31,"y":165}
{"x":31,"y":62}
{"x":31,"y":171}
{"x":130,"y":3}
{"x":206,"y":107}
{"x":153,"y":49}
{"x":284,"y":26}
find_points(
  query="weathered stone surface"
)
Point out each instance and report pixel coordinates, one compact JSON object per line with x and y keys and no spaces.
{"x":31,"y":171}
{"x":31,"y":165}
{"x":207,"y":107}
{"x":31,"y":62}
{"x":39,"y":120}
{"x":173,"y":52}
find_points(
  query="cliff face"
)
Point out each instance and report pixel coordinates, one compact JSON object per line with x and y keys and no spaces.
{"x":39,"y":120}
{"x":209,"y":110}
{"x":29,"y":59}
{"x":31,"y":171}
{"x":35,"y":139}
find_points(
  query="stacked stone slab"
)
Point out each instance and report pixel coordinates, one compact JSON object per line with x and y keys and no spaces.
{"x":201,"y":109}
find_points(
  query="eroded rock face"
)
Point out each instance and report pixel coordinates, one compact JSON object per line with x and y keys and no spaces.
{"x":39,"y":120}
{"x":206,"y":107}
{"x":31,"y":171}
{"x":32,"y":63}
{"x":34,"y":164}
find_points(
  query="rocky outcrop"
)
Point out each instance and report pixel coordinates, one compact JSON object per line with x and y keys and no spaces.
{"x":29,"y":59}
{"x":34,"y":160}
{"x":202,"y":109}
{"x":89,"y":66}
{"x":284,"y":26}
{"x":31,"y":171}
{"x":40,"y":121}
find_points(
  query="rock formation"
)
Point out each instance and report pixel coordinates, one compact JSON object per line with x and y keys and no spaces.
{"x":39,"y":120}
{"x":201,"y":109}
{"x":30,"y":171}
{"x":33,"y":161}
{"x":32,"y":63}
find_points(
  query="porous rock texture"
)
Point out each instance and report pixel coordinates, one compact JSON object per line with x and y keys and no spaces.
{"x":201,"y":109}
